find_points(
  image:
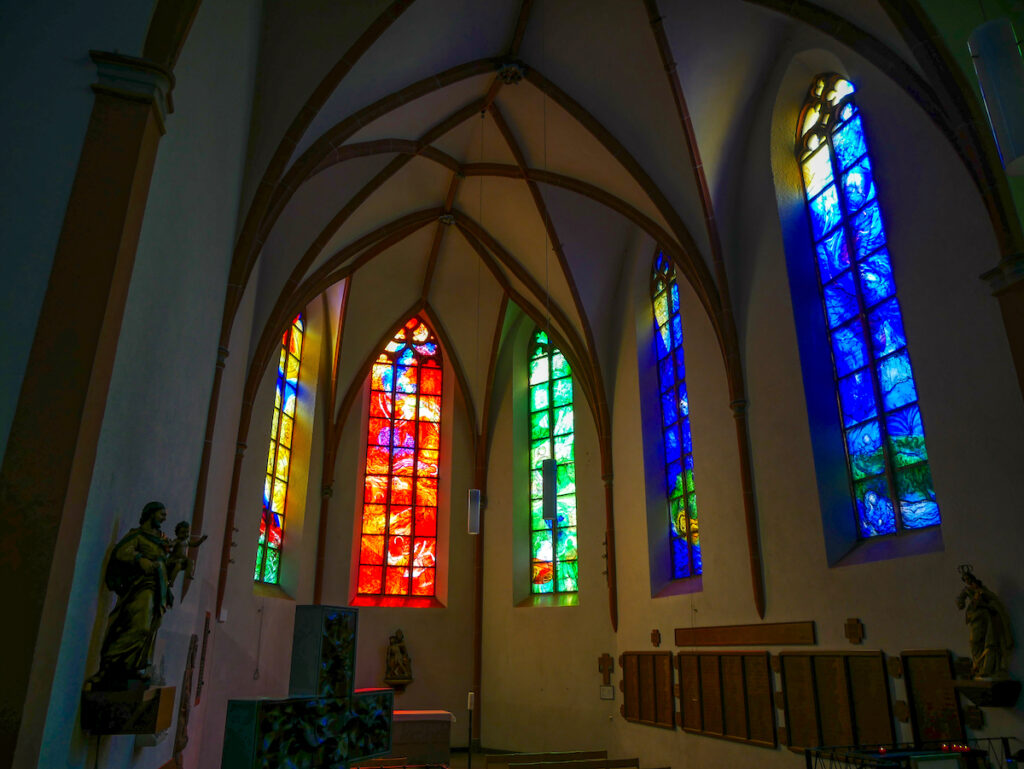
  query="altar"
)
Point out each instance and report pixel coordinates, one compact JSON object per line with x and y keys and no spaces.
{"x":422,"y":737}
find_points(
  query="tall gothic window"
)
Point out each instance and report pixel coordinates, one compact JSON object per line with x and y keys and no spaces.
{"x":683,"y":530}
{"x":553,"y":550}
{"x":398,"y":541}
{"x":275,"y":485}
{"x":887,"y":461}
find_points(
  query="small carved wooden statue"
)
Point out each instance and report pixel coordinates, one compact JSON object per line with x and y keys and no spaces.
{"x":991,"y":637}
{"x":398,"y":665}
{"x":138,"y":572}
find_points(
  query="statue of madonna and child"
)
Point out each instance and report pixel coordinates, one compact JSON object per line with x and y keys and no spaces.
{"x":141,"y":571}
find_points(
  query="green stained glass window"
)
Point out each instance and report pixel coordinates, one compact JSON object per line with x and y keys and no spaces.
{"x":553,"y":546}
{"x":886,"y":457}
{"x":683,"y":533}
{"x":275,"y":485}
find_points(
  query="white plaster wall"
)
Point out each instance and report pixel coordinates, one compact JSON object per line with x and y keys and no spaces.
{"x":151,"y":438}
{"x":45,"y":102}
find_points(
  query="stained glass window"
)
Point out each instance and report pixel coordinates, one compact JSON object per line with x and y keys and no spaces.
{"x":553,"y":549}
{"x":684,"y":534}
{"x":275,"y":484}
{"x":890,"y":479}
{"x":398,"y":541}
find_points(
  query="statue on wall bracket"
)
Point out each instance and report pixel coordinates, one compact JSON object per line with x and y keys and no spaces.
{"x":397,"y":663}
{"x":991,"y":641}
{"x":118,"y":699}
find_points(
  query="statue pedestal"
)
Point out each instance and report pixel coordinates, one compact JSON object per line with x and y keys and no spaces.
{"x":989,"y":694}
{"x":133,"y":711}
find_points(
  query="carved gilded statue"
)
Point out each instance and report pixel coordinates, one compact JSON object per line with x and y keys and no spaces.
{"x":991,"y":637}
{"x":137,"y":573}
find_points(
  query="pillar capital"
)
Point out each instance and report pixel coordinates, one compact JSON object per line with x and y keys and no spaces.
{"x":1007,"y":274}
{"x":129,"y":77}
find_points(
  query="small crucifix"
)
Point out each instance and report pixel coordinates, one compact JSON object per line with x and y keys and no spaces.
{"x":606,"y":665}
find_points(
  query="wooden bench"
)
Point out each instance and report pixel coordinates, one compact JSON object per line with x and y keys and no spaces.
{"x":594,"y":763}
{"x":497,"y":760}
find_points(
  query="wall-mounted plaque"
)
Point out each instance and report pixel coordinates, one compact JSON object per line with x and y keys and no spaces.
{"x":728,"y":694}
{"x":934,"y":708}
{"x":836,"y":699}
{"x":647,"y":688}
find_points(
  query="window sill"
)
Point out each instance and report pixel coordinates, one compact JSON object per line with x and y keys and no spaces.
{"x":266,"y":590}
{"x":683,"y":586}
{"x":397,"y":601}
{"x":894,"y":546}
{"x":550,"y":599}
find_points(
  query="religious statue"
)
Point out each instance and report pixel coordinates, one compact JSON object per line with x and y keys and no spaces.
{"x":138,"y":573}
{"x":991,"y":637}
{"x":178,"y":560}
{"x":398,"y":665}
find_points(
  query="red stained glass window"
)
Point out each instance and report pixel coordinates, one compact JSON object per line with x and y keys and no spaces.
{"x":275,"y":486}
{"x":398,"y":546}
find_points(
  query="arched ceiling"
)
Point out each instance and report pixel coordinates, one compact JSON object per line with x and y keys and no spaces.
{"x":548,"y":131}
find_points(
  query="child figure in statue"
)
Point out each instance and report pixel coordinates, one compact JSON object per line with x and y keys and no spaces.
{"x":990,"y":635}
{"x":178,"y":560}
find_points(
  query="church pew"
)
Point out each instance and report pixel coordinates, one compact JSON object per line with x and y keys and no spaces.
{"x":496,"y":760}
{"x":595,"y":763}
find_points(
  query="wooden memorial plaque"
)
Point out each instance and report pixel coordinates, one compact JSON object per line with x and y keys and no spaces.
{"x":648,"y":702}
{"x":761,"y":634}
{"x":760,"y":710}
{"x":689,"y":685}
{"x":832,"y":692}
{"x":711,"y":693}
{"x":798,"y":687}
{"x":647,"y":688}
{"x":934,"y":708}
{"x":631,"y":687}
{"x":664,"y":699}
{"x":734,"y":701}
{"x":728,"y":695}
{"x":869,"y":691}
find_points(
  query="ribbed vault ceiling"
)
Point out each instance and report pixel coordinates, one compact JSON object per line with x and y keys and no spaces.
{"x":373,"y":119}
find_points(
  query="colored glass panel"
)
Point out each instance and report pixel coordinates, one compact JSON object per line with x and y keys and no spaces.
{"x":275,"y":484}
{"x":553,"y":550}
{"x":398,"y":544}
{"x":887,"y":459}
{"x":675,"y":410}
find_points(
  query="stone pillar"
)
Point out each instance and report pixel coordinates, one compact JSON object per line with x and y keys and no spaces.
{"x":48,"y":464}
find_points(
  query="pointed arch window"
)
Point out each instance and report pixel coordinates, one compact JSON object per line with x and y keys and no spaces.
{"x":398,"y":539}
{"x":684,"y":534}
{"x":887,"y":462}
{"x":275,"y":485}
{"x":553,"y":544}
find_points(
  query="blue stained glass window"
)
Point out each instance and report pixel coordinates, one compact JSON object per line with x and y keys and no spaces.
{"x":858,"y":185}
{"x":841,"y":300}
{"x":849,"y":142}
{"x":886,"y":325}
{"x":849,"y":350}
{"x":857,"y":398}
{"x":833,"y":257}
{"x":867,"y":230}
{"x":825,"y":213}
{"x":887,"y":461}
{"x":683,"y":533}
{"x":876,"y":281}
